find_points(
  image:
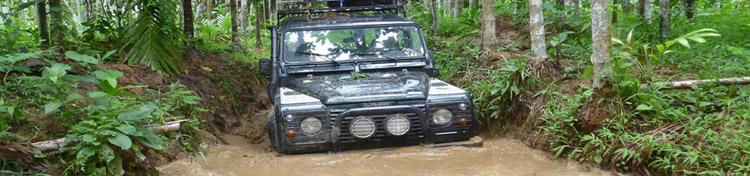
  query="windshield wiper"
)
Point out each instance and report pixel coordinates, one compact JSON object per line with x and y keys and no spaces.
{"x":324,"y":56}
{"x":379,"y":54}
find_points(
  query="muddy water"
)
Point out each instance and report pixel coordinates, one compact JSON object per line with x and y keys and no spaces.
{"x":497,"y":157}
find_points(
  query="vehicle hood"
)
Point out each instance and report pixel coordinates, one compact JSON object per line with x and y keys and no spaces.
{"x":361,"y":87}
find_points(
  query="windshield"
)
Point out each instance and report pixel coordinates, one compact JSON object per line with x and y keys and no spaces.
{"x":352,"y":44}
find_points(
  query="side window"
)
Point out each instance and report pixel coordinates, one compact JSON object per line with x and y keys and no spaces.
{"x":416,"y":43}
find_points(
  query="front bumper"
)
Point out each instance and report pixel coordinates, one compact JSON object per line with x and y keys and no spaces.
{"x":421,"y":130}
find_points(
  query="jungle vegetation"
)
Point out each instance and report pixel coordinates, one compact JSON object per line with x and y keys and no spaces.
{"x":593,"y":81}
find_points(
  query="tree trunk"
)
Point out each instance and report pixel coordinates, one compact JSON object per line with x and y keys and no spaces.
{"x":209,"y":9}
{"x":435,"y":21}
{"x":458,"y":6}
{"x":536,"y":23}
{"x":641,"y":8}
{"x":81,"y":10}
{"x":41,"y":11}
{"x":200,"y":9}
{"x":576,"y":4}
{"x":243,"y":16}
{"x":601,"y":40}
{"x":258,"y":17}
{"x":187,"y":11}
{"x":689,"y":83}
{"x":51,"y":145}
{"x":446,"y":7}
{"x":89,"y":10}
{"x":266,"y":11}
{"x":648,"y":10}
{"x":489,"y":38}
{"x":471,"y":4}
{"x":664,"y":20}
{"x":614,"y":12}
{"x":56,"y":26}
{"x":272,"y":11}
{"x":690,"y":9}
{"x":233,"y":14}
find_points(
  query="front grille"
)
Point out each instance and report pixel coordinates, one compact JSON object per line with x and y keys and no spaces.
{"x":345,"y":136}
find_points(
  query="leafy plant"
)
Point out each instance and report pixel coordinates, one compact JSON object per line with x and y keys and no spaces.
{"x":114,"y":126}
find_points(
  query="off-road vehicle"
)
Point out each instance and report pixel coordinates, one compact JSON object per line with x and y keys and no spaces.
{"x":357,"y":74}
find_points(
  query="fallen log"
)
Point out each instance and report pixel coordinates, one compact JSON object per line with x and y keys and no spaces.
{"x":51,"y":145}
{"x":689,"y":83}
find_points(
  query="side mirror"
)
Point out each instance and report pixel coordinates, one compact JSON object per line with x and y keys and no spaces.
{"x":265,"y":67}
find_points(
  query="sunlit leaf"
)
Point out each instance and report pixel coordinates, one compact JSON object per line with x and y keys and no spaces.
{"x":121,"y":141}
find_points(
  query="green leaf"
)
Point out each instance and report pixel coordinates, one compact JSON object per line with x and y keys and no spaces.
{"x":97,"y":94}
{"x":588,"y":73}
{"x":56,"y":71}
{"x":115,"y":166}
{"x":684,"y":42}
{"x":27,"y":4}
{"x":127,"y":129}
{"x":87,"y":79}
{"x":121,"y":141}
{"x":697,"y":39}
{"x":644,"y":107}
{"x":110,"y":53}
{"x":109,"y":75}
{"x":73,"y":97}
{"x":106,"y":153}
{"x":81,"y":57}
{"x":705,"y":103}
{"x":134,"y":115}
{"x":598,"y":159}
{"x":148,"y":138}
{"x":51,"y":106}
{"x":88,"y":138}
{"x":85,"y":153}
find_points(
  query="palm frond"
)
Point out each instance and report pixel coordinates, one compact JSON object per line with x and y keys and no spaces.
{"x":153,"y":39}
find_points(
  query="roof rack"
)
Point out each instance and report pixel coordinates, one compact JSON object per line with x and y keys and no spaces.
{"x":340,"y":6}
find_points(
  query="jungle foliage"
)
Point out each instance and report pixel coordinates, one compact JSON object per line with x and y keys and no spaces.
{"x":55,"y":76}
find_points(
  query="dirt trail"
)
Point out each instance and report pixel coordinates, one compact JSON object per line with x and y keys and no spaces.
{"x":498,"y":157}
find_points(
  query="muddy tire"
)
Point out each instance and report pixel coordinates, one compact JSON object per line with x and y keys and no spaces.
{"x":273,"y":132}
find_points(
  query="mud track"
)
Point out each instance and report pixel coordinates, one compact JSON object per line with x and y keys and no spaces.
{"x":498,"y":157}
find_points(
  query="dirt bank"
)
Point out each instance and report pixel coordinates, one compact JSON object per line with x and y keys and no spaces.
{"x":229,"y":91}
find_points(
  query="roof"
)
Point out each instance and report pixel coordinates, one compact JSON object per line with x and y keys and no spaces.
{"x":338,"y":20}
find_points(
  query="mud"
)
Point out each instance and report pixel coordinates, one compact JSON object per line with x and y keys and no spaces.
{"x":498,"y":157}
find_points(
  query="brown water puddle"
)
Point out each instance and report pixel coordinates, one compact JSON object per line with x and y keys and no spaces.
{"x":497,"y":157}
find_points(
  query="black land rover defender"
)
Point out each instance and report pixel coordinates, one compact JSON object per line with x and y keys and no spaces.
{"x":358,"y":75}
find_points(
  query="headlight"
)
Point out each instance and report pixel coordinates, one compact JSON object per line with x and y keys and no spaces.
{"x":362,"y":128}
{"x":442,"y":116}
{"x":311,"y":125}
{"x":397,"y":125}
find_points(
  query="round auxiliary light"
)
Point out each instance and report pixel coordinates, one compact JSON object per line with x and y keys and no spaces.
{"x":362,"y":128}
{"x":289,"y":118}
{"x":442,"y":116}
{"x":397,"y":125}
{"x":311,"y":125}
{"x":463,"y":106}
